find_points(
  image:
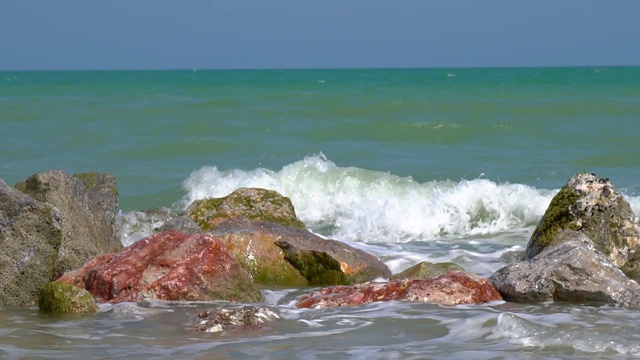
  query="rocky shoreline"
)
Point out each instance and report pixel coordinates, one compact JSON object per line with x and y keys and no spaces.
{"x":62,"y":253}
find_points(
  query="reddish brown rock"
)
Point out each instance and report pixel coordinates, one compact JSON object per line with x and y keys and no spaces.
{"x":167,"y":266}
{"x":453,"y":288}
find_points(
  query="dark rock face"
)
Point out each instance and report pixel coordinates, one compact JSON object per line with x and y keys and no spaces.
{"x":251,"y":203}
{"x":572,"y":269}
{"x":87,"y":215}
{"x":592,"y":206}
{"x":328,"y":262}
{"x":427,"y":270}
{"x":30,"y":237}
{"x":61,"y":298}
{"x":167,"y":266}
{"x":248,"y":317}
{"x":454,"y":288}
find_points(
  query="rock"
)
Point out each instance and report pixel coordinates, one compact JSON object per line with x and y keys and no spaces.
{"x":181,"y":223}
{"x":427,"y":270}
{"x":88,"y":216}
{"x":571,"y":269}
{"x":167,"y":266}
{"x":217,"y":320}
{"x":252,"y":203}
{"x":30,"y":236}
{"x":61,"y":298}
{"x":253,"y":245}
{"x":328,"y":262}
{"x":453,"y":288}
{"x":103,"y":195}
{"x":594,"y":207}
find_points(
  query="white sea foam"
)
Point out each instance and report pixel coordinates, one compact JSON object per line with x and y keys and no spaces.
{"x":361,"y":205}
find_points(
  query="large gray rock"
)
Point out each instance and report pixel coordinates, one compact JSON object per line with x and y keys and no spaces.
{"x":30,"y":236}
{"x":87,"y":214}
{"x":569,"y":269}
{"x":592,"y":205}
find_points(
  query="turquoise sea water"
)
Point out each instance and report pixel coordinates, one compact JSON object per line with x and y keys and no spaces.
{"x":408,"y":164}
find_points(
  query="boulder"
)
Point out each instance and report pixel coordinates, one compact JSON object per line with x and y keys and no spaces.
{"x":30,"y":237}
{"x":61,"y":298}
{"x":427,"y":270}
{"x":327,"y":262}
{"x":181,"y":223}
{"x":591,"y":205}
{"x":252,"y":203}
{"x":453,"y":288}
{"x":571,"y":269}
{"x":87,"y":215}
{"x":167,"y":266}
{"x":253,"y":245}
{"x":248,"y":317}
{"x":286,"y":256}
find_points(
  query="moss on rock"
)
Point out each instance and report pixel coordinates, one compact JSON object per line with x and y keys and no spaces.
{"x":61,"y":298}
{"x":558,"y":216}
{"x":252,"y":203}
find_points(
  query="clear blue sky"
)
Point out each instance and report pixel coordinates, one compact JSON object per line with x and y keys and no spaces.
{"x":210,"y":34}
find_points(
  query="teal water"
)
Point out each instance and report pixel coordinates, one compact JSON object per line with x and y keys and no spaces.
{"x":407,"y":164}
{"x":535,"y":126}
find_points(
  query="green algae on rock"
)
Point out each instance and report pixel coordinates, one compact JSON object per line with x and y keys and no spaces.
{"x":592,"y":206}
{"x":252,"y":203}
{"x":253,"y":245}
{"x":61,"y":298}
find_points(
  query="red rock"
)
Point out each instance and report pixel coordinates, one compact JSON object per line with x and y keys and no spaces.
{"x":167,"y":266}
{"x":453,"y":288}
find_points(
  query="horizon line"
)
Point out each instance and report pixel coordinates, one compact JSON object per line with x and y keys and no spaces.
{"x":323,"y":68}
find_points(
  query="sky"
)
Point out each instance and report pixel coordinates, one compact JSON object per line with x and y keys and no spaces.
{"x":265,"y":34}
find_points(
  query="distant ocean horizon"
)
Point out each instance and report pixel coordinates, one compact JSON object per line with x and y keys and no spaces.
{"x":409,"y":164}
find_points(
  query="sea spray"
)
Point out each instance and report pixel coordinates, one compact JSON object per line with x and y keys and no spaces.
{"x":356,"y":204}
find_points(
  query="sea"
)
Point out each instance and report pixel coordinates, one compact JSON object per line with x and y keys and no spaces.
{"x":410,"y":165}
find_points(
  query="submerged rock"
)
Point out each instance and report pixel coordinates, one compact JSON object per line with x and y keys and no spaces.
{"x":251,"y":203}
{"x":216,"y":320}
{"x":571,"y":269}
{"x":167,"y":266}
{"x":592,"y":205}
{"x":30,"y":237}
{"x":58,"y":297}
{"x":453,"y":288}
{"x":87,"y":214}
{"x":427,"y":270}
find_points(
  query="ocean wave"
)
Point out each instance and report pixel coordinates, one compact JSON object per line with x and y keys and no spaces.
{"x":356,"y":204}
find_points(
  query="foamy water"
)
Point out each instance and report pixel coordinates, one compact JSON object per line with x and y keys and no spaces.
{"x":362,"y":205}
